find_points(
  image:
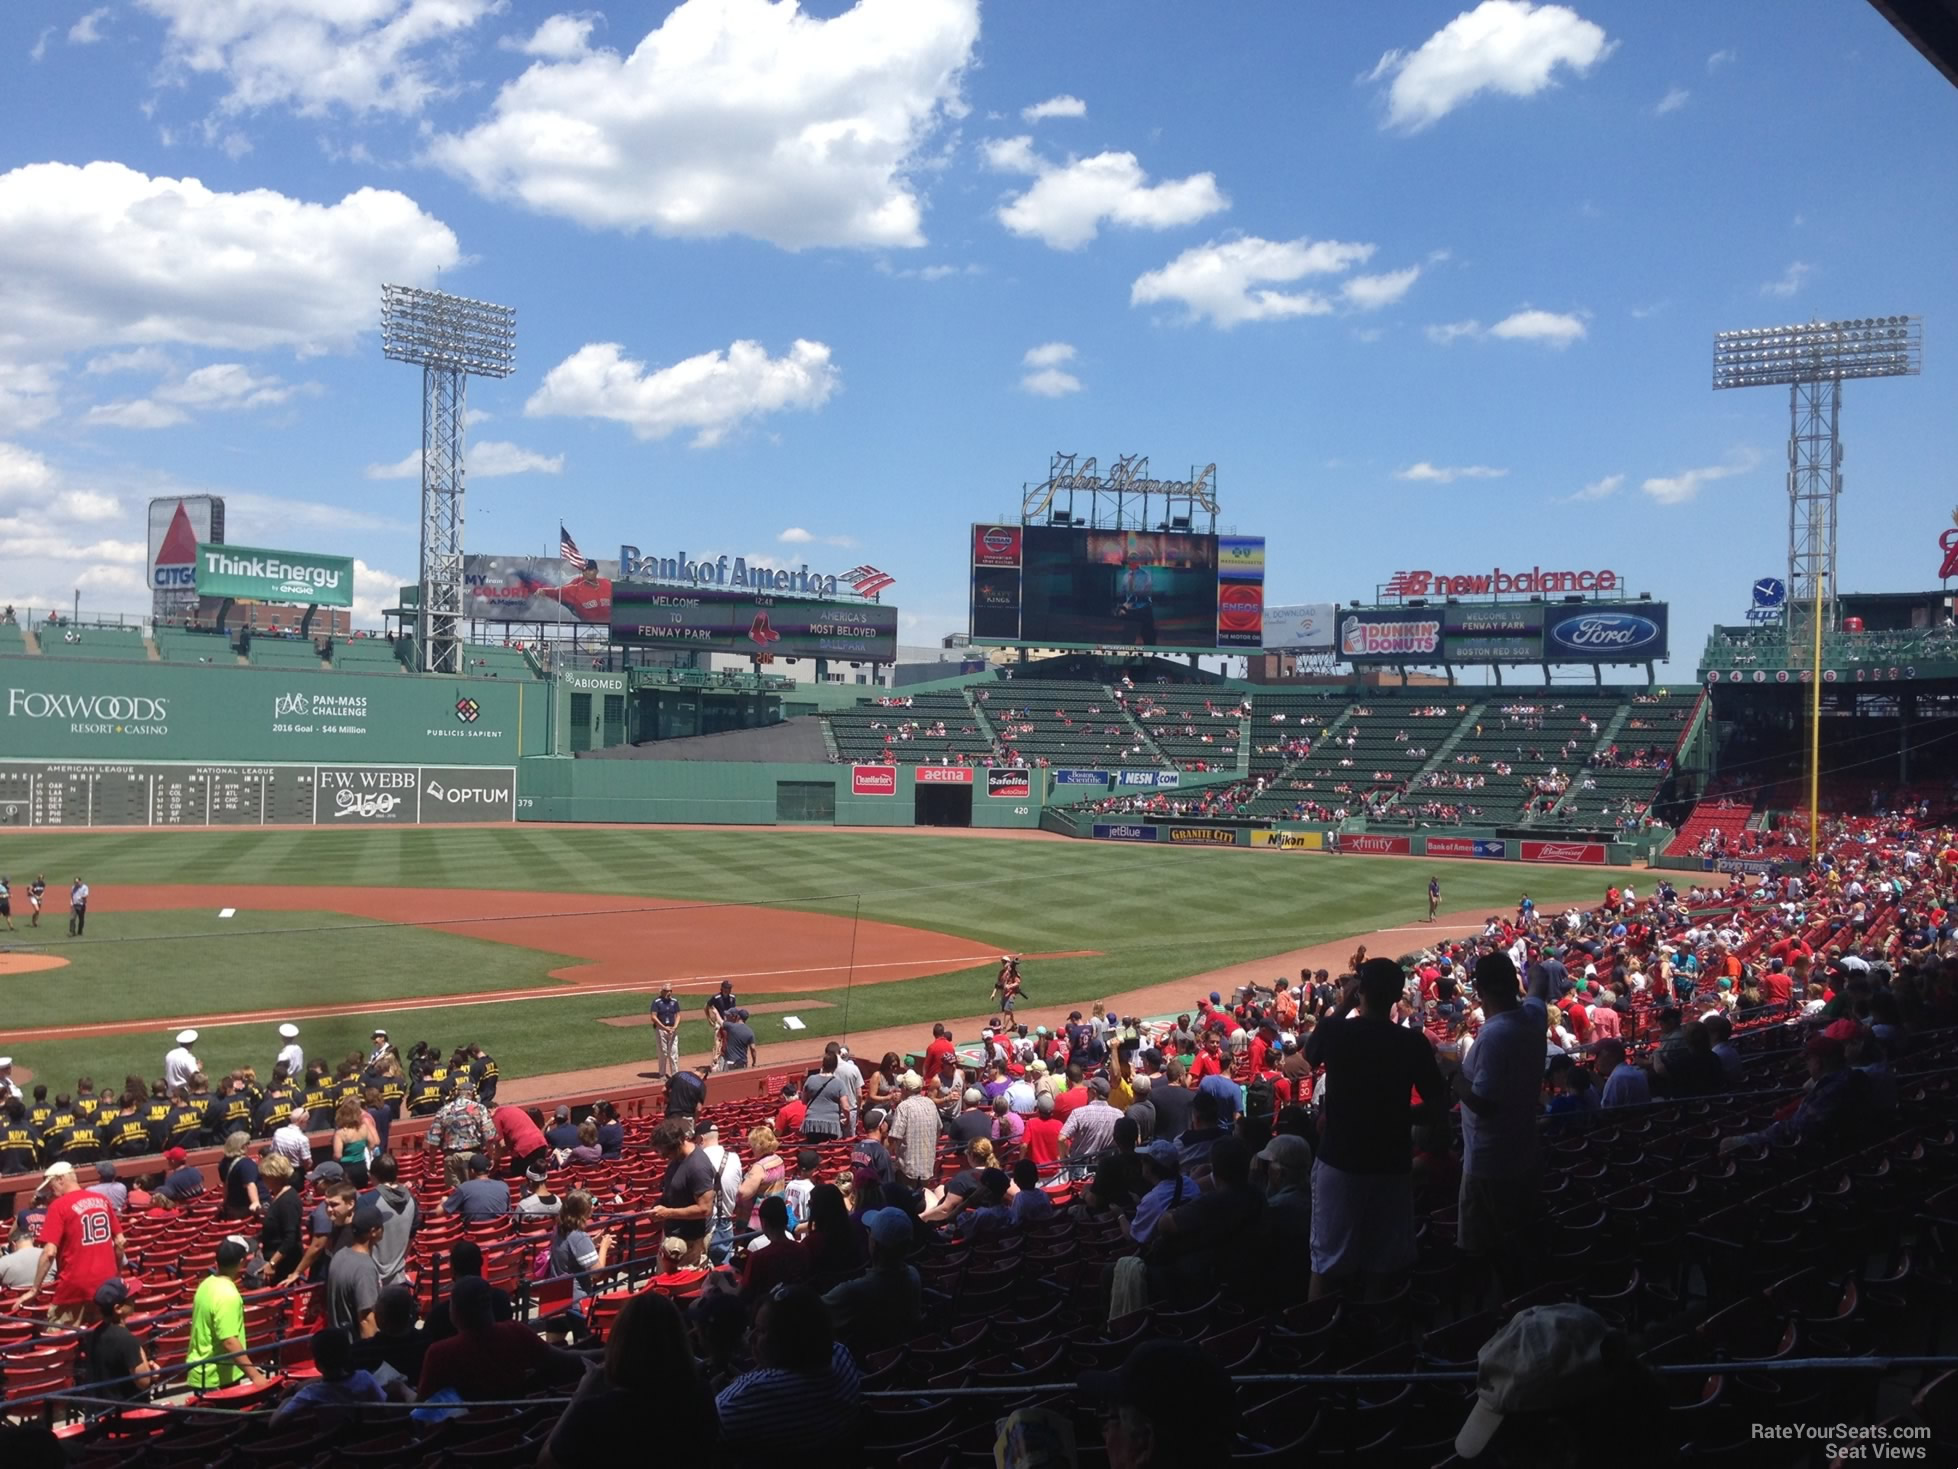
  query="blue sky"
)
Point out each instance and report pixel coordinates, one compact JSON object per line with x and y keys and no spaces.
{"x":1434,"y":286}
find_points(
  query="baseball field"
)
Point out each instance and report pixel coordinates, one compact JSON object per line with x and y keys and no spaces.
{"x":544,"y":944}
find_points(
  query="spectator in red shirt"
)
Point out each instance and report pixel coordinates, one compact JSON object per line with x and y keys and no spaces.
{"x":1209,"y":1061}
{"x":1776,"y":988}
{"x":1043,"y":1133}
{"x":784,"y":1260}
{"x":81,"y":1239}
{"x":1076,"y":1094}
{"x":491,"y":1359}
{"x":793,"y":1109}
{"x":521,"y":1139}
{"x":940,"y":1052}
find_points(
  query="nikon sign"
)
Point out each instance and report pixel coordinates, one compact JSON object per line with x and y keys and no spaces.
{"x":249,"y":574}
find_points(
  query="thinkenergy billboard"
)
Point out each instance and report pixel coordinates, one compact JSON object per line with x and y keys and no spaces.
{"x":1511,"y":632}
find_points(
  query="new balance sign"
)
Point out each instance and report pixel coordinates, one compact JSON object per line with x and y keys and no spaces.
{"x":873,"y":780}
{"x":1591,"y":852}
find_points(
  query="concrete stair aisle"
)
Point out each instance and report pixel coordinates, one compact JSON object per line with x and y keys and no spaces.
{"x":1437,"y":760}
{"x":1606,"y":736}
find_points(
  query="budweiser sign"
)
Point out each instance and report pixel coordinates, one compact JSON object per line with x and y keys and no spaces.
{"x":1499,"y":583}
{"x":1589,"y":852}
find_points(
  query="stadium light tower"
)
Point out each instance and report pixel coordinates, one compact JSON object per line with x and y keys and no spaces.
{"x":452,"y":338}
{"x":1815,"y":359}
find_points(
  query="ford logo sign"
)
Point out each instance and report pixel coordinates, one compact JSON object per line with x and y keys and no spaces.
{"x":1597,"y":634}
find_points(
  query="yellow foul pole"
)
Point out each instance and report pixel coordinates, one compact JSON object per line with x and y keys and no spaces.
{"x":1815,"y":728}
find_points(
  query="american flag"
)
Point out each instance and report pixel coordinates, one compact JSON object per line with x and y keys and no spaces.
{"x":868,"y":580}
{"x":567,"y":549}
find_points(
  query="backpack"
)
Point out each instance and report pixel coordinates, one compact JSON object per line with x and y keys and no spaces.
{"x":543,"y":1265}
{"x":1260,"y":1098}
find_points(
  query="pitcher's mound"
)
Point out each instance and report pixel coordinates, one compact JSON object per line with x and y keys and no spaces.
{"x":29,"y":963}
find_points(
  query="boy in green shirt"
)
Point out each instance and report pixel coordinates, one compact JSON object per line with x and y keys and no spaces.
{"x":217,"y":1322}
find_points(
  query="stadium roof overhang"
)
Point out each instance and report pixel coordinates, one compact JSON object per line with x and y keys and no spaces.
{"x":1929,"y":25}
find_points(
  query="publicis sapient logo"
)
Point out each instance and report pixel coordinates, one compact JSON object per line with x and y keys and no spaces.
{"x":1596,"y":633}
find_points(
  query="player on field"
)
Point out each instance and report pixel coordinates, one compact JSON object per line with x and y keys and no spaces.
{"x":77,"y":909}
{"x":7,"y":902}
{"x":1434,"y":898}
{"x":35,"y":890}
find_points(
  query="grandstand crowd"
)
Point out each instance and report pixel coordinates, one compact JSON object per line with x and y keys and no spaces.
{"x":1574,"y":1149}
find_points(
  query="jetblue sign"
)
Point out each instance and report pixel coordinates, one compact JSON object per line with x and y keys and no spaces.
{"x":1122,"y":832}
{"x":1597,"y":636}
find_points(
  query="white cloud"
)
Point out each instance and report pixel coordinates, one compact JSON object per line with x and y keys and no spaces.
{"x":1371,"y":292}
{"x":1230,"y":281}
{"x":250,"y":515}
{"x":733,"y":117}
{"x":140,"y":413}
{"x":1642,"y":313}
{"x":1446,"y":474}
{"x":795,"y":535}
{"x":228,"y":385}
{"x":314,"y":55}
{"x":150,"y":361}
{"x":711,"y":394}
{"x":473,"y":416}
{"x":1674,"y":99}
{"x":1506,"y":46}
{"x":1443,"y":334}
{"x":1598,"y":489}
{"x":1720,"y":58}
{"x":88,"y":30}
{"x":374,"y":591}
{"x":103,"y":256}
{"x":22,"y":472}
{"x":560,"y":38}
{"x":27,"y":394}
{"x":1790,"y":282}
{"x":1061,"y":106}
{"x":1048,"y":378}
{"x":39,"y":50}
{"x":497,"y":458}
{"x":1552,"y":328}
{"x":486,"y":459}
{"x":941,"y":272}
{"x":1068,"y":203}
{"x":1677,"y":489}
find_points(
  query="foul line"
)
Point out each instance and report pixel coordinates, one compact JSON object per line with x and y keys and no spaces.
{"x":506,"y":997}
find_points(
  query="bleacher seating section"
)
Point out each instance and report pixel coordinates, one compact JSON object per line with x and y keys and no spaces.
{"x":12,"y":639}
{"x":282,"y":652}
{"x":104,"y":642}
{"x":492,"y":660}
{"x":1066,"y":723}
{"x":1727,"y":815}
{"x":191,"y":645}
{"x":367,"y":655}
{"x":908,"y":732}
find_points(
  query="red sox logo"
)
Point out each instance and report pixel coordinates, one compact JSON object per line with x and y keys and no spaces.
{"x":1949,"y":541}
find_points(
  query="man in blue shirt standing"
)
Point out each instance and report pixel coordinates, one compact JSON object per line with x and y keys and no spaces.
{"x":666,"y":1023}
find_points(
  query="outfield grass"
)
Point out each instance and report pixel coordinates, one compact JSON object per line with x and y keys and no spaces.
{"x":1153,"y":915}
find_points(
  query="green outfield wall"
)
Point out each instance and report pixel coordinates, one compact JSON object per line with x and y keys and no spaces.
{"x":70,"y":709}
{"x":763,"y":794}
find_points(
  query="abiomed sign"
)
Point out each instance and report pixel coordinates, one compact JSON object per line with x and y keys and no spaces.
{"x":253,"y":575}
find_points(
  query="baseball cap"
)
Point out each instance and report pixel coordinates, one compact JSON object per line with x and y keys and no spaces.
{"x":1825,"y":1045}
{"x":289,"y":1031}
{"x":1844,"y":1030}
{"x":673,"y":1245}
{"x":367,"y":1216}
{"x":1530,"y":1366}
{"x":563,"y":1113}
{"x":232,"y":1250}
{"x":105,"y":1170}
{"x":1036,"y":1068}
{"x":1159,"y":1377}
{"x":176,"y":1157}
{"x":1099,"y":1086}
{"x":479,"y":1163}
{"x":1292,"y":1153}
{"x":705,"y":1126}
{"x":911,"y":1082}
{"x":6,"y":1062}
{"x":873,"y":1118}
{"x":1162,"y":1152}
{"x":888,"y":1227}
{"x":740,"y":1014}
{"x":111,"y":1293}
{"x":382,"y":1034}
{"x":58,"y":1170}
{"x":328,"y":1172}
{"x":186,"y":1037}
